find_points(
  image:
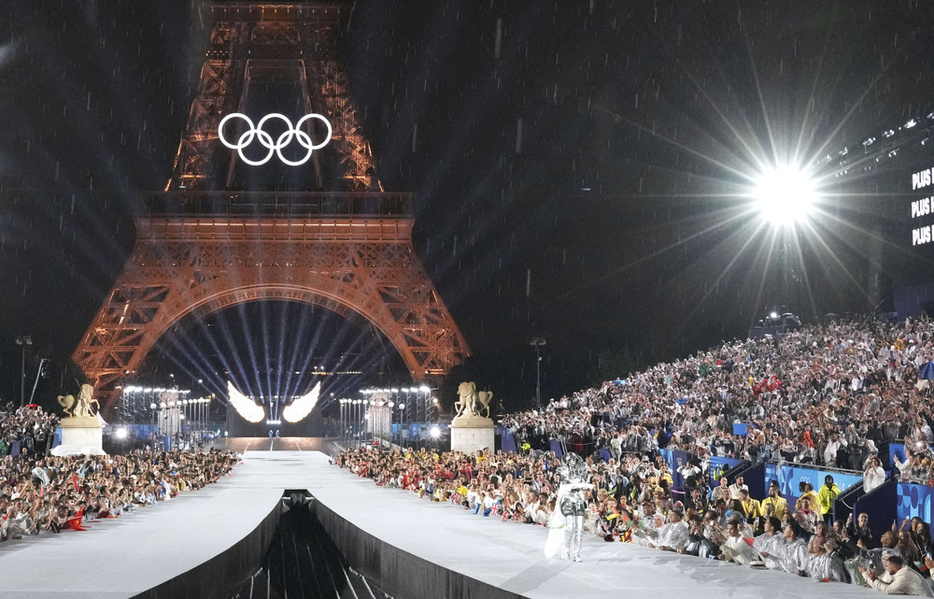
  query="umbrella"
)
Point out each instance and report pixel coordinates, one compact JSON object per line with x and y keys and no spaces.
{"x":927,"y":371}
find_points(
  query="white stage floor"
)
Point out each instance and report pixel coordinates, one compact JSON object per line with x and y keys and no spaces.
{"x":127,"y":556}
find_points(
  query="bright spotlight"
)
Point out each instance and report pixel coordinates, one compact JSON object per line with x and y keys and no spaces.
{"x":785,"y":195}
{"x":434,"y":432}
{"x":121,"y":433}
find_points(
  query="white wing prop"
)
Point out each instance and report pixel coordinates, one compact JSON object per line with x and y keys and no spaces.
{"x":245,"y":406}
{"x":302,"y":406}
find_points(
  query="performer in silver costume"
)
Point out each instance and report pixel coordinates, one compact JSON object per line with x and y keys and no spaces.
{"x":567,"y":523}
{"x":572,"y":507}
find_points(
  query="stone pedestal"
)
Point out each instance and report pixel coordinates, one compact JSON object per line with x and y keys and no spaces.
{"x":470,"y":433}
{"x":80,"y":436}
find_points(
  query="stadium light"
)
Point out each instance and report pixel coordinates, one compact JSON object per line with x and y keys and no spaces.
{"x":785,"y":195}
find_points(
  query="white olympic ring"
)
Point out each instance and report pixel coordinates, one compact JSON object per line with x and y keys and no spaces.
{"x":246,"y":138}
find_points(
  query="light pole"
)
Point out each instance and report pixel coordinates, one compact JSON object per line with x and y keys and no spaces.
{"x":537,"y":343}
{"x":23,"y":342}
{"x":40,"y":373}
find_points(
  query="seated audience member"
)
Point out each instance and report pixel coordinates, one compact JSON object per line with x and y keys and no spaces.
{"x":735,"y":548}
{"x":795,"y":556}
{"x":722,"y":492}
{"x":750,"y":506}
{"x":770,"y":545}
{"x":807,"y":492}
{"x":673,"y":536}
{"x":806,"y":517}
{"x":821,"y":565}
{"x":738,"y":486}
{"x":898,"y":579}
{"x":859,"y":531}
{"x":774,"y":502}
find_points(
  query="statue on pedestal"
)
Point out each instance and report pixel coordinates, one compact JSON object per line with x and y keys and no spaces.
{"x":79,"y":407}
{"x":81,"y":427}
{"x":471,"y":402}
{"x":471,"y":427}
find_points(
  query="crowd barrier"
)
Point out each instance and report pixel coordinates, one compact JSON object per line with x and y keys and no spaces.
{"x":675,"y":459}
{"x":719,"y":466}
{"x":508,"y":441}
{"x":758,"y":475}
{"x":914,"y":500}
{"x":881,"y":504}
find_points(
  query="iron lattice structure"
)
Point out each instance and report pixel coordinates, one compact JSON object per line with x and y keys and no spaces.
{"x":199,"y":251}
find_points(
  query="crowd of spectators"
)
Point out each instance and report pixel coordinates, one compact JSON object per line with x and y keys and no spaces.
{"x":30,"y":428}
{"x":43,"y":493}
{"x":631,"y":502}
{"x":825,"y":395}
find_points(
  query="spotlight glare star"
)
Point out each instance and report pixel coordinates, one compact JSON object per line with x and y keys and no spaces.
{"x":785,"y":195}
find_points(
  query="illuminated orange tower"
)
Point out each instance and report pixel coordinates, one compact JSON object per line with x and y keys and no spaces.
{"x":208,"y":242}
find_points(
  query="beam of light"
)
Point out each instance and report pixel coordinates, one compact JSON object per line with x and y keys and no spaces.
{"x":248,"y":336}
{"x":245,"y":406}
{"x":302,"y":406}
{"x":785,"y":195}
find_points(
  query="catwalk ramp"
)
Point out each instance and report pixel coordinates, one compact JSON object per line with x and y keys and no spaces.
{"x":200,"y":543}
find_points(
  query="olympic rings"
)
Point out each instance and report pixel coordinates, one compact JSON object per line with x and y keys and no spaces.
{"x":265,"y":139}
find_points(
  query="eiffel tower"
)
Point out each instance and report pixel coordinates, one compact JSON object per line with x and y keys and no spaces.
{"x":220,"y":234}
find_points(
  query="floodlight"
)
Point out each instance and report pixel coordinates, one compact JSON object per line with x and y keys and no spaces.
{"x":434,"y":432}
{"x":785,"y":195}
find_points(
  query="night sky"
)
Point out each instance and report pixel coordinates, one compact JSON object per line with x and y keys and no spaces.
{"x":582,"y":173}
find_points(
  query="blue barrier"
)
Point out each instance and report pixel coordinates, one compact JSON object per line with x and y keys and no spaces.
{"x":771,"y":473}
{"x":509,"y":441}
{"x":755,"y":479}
{"x":915,"y":500}
{"x":718,"y":466}
{"x":789,"y":476}
{"x":675,"y":458}
{"x":556,"y":447}
{"x":895,"y":450}
{"x":882,"y":506}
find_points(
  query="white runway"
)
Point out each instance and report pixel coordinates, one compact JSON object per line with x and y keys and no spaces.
{"x":124,"y":557}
